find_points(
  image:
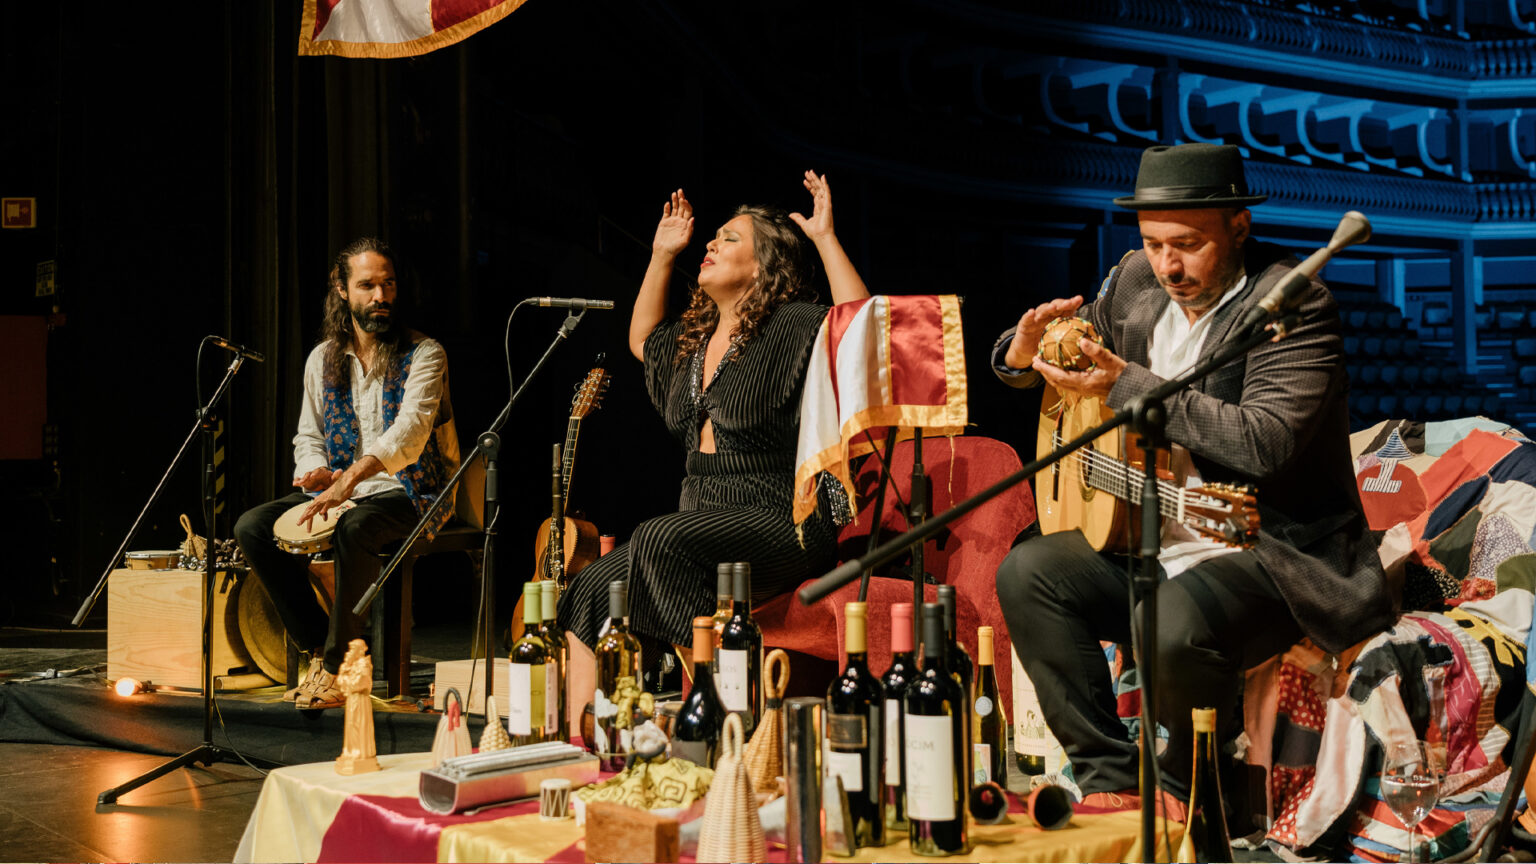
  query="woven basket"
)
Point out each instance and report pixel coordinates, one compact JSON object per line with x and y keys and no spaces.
{"x":494,"y":736}
{"x":452,"y":738}
{"x":731,"y":830}
{"x":765,"y":752}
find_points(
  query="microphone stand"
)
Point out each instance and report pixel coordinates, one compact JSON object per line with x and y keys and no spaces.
{"x":1145,"y":414}
{"x":207,"y":752}
{"x":487,"y":445}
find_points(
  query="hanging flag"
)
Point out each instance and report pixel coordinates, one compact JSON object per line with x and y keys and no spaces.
{"x":394,"y":28}
{"x":880,"y":362}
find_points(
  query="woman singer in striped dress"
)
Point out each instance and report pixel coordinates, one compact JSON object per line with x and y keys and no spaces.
{"x":726,"y":378}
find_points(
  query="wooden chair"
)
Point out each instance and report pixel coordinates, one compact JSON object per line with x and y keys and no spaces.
{"x":391,"y":612}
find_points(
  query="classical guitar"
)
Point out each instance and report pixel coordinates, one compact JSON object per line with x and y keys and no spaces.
{"x":564,"y":543}
{"x":1094,"y":489}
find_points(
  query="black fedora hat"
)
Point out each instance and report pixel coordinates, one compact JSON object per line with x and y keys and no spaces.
{"x":1190,"y":176}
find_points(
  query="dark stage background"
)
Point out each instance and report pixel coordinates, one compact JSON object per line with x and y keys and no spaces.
{"x":193,"y":176}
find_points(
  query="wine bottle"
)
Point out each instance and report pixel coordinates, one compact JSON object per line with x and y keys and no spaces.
{"x":526,"y":675}
{"x":901,"y":672}
{"x":1205,"y":832}
{"x":618,"y":669}
{"x":741,"y":653}
{"x":960,"y":666}
{"x":557,"y":725}
{"x":989,"y":731}
{"x":696,"y":732}
{"x":855,"y":732}
{"x":1031,"y":738}
{"x":936,"y":729}
{"x":723,"y":610}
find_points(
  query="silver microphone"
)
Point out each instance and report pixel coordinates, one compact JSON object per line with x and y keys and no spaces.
{"x":238,"y":349}
{"x":573,"y":303}
{"x":1353,"y":228}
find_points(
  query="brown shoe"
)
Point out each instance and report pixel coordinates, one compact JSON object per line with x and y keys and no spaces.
{"x":323,"y":693}
{"x":316,"y":665}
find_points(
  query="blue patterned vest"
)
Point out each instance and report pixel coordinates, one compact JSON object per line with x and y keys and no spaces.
{"x":423,"y":479}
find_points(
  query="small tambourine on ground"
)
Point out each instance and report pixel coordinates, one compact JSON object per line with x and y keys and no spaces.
{"x":1061,"y":345}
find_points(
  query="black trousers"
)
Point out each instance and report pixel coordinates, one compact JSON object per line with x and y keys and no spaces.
{"x":360,"y":534}
{"x":1214,"y":621}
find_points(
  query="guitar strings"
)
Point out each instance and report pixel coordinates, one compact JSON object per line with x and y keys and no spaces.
{"x":1122,"y":474}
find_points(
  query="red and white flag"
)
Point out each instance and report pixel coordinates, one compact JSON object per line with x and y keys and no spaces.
{"x":394,"y":28}
{"x":877,"y":363}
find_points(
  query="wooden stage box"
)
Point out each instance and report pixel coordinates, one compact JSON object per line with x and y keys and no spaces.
{"x":456,"y":674}
{"x":155,"y":627}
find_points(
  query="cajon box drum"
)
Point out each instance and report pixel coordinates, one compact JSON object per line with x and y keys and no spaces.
{"x":155,"y":627}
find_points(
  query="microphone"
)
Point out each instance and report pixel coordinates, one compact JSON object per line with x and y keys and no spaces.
{"x":238,"y":349}
{"x":573,"y":303}
{"x":1353,"y":228}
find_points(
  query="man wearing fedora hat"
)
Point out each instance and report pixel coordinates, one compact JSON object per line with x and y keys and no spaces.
{"x":1276,"y":419}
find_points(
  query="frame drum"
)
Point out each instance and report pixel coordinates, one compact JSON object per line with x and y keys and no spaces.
{"x":294,"y":537}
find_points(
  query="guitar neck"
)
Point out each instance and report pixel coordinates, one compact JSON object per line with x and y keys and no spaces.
{"x":568,"y":458}
{"x":1124,"y":481}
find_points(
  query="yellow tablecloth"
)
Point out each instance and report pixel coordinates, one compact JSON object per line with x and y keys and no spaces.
{"x":298,"y":803}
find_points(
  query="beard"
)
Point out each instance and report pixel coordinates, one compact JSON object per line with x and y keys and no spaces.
{"x":1212,"y":291}
{"x":368,"y":322}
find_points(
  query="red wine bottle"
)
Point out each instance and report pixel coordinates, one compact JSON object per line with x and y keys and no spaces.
{"x":959,"y":664}
{"x":696,"y":734}
{"x":741,"y":653}
{"x":988,"y":730}
{"x":936,"y":728}
{"x":902,"y":670}
{"x":1205,"y":832}
{"x":855,"y":733}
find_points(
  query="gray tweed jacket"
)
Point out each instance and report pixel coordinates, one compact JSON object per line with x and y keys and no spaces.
{"x":1276,"y":419}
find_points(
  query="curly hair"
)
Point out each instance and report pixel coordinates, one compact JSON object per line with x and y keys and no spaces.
{"x":785,"y":274}
{"x":336,"y":329}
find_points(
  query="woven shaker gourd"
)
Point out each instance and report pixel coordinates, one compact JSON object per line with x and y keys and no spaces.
{"x":731,"y":829}
{"x":1061,"y":346}
{"x":765,"y":752}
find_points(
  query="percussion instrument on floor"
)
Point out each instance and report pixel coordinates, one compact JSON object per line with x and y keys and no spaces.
{"x":291,"y":536}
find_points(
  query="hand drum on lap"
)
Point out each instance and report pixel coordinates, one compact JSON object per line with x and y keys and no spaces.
{"x":1061,"y":346}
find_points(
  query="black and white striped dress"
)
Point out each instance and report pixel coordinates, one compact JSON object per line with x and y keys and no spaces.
{"x":735,"y":502}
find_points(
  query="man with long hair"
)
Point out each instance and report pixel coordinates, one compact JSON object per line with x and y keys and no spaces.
{"x":376,"y":444}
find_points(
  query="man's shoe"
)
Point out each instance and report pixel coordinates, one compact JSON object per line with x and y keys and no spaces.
{"x":323,"y":693}
{"x":316,"y":665}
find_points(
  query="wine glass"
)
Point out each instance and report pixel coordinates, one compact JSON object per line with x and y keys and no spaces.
{"x":1410,"y":782}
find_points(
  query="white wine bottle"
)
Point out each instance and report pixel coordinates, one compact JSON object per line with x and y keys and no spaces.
{"x":989,"y":731}
{"x":618,"y":668}
{"x":557,"y":726}
{"x":526,"y":675}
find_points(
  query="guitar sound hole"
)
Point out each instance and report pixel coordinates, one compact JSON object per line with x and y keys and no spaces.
{"x":1086,"y":488}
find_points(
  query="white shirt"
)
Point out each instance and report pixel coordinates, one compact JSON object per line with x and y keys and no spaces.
{"x":397,"y":446}
{"x":1174,"y":347}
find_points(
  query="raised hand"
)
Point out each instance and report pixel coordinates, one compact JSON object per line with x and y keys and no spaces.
{"x":676,"y":226}
{"x":819,"y":226}
{"x":1026,"y":336}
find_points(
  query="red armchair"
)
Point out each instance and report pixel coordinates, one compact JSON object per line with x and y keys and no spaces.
{"x":965,"y":554}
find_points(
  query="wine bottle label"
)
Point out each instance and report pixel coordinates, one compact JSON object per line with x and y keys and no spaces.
{"x":931,"y":765}
{"x":525,"y":702}
{"x":733,"y":679}
{"x":983,"y":706}
{"x":846,"y":732}
{"x":551,"y":699}
{"x":847,"y":766}
{"x":892,"y":742}
{"x":1030,"y":735}
{"x":981,"y":762}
